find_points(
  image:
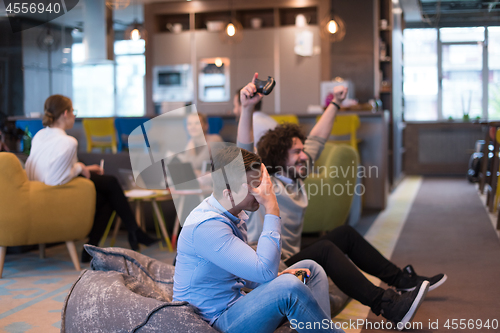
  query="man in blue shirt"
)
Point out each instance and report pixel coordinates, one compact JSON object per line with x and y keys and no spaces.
{"x":214,"y":261}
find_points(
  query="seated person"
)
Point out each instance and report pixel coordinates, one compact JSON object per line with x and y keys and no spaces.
{"x":53,"y":161}
{"x":286,"y":152}
{"x":196,"y":151}
{"x":261,"y":121}
{"x":214,"y":261}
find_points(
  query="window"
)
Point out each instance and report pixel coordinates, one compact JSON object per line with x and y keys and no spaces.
{"x":494,"y":72}
{"x":420,"y":74}
{"x":449,"y":73}
{"x":130,"y":74}
{"x":108,"y":89}
{"x":93,"y":85}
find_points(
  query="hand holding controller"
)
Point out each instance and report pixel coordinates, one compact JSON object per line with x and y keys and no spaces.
{"x":302,"y":275}
{"x":265,"y":87}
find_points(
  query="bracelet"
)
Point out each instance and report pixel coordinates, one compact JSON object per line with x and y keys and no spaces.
{"x":338,"y":106}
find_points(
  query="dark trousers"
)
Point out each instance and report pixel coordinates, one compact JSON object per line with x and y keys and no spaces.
{"x":109,"y":198}
{"x":341,"y":252}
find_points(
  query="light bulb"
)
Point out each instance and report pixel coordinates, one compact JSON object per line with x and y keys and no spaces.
{"x":332,"y":26}
{"x":135,"y":34}
{"x":218,"y":62}
{"x":230,"y":30}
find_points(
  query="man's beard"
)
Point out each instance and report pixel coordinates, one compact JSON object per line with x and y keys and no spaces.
{"x":300,"y":170}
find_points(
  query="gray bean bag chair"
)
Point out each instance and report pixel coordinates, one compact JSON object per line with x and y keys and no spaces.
{"x":126,"y":291}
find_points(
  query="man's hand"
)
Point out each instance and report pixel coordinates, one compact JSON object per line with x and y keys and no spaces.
{"x":295,"y":270}
{"x":247,"y":92}
{"x":264,"y":194}
{"x":339,"y":94}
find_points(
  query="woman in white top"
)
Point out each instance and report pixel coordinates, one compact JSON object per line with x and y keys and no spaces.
{"x":53,"y":161}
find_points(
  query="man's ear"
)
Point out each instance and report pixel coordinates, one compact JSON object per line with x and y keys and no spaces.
{"x":226,"y":194}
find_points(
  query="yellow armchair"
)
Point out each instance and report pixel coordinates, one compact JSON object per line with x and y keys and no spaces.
{"x":34,"y":213}
{"x":331,"y":189}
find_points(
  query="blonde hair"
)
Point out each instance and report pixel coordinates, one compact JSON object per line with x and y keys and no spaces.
{"x":54,"y":107}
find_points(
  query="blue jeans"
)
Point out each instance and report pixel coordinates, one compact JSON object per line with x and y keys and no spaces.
{"x":286,"y":297}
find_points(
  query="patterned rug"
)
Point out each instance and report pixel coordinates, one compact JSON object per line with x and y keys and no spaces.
{"x":32,"y":290}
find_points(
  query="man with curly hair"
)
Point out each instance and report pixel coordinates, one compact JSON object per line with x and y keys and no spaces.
{"x":286,"y":152}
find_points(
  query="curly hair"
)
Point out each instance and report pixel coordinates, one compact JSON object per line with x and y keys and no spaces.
{"x":274,"y":145}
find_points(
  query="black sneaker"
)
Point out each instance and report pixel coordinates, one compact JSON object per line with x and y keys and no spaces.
{"x":410,"y":279}
{"x":400,"y":309}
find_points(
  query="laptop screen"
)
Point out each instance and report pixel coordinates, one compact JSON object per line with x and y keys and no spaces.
{"x":182,"y":176}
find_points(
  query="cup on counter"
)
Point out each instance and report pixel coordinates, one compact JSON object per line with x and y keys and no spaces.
{"x":256,"y":23}
{"x":35,"y":114}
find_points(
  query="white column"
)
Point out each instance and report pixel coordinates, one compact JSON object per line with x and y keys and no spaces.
{"x":94,"y":40}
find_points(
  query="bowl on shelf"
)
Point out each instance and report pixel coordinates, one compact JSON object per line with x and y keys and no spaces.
{"x":215,"y":26}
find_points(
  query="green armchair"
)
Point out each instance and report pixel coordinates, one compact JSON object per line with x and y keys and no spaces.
{"x":330,"y":188}
{"x":34,"y":213}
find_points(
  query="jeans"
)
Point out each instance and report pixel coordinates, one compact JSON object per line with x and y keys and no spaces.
{"x":334,"y":253}
{"x":109,"y":198}
{"x":286,"y":297}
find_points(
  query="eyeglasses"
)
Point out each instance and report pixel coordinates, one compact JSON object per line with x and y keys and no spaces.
{"x":75,"y":112}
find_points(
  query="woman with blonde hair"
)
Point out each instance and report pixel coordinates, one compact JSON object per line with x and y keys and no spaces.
{"x":53,"y":161}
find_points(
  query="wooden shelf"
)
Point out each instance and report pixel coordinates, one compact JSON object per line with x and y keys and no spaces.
{"x":201,"y":19}
{"x":287,"y":15}
{"x":266,"y":15}
{"x":163,"y":20}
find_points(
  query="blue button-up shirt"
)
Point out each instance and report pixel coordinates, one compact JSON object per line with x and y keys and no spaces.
{"x":214,"y":261}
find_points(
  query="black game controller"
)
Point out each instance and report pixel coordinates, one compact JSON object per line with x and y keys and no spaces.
{"x":265,"y":87}
{"x":302,"y":275}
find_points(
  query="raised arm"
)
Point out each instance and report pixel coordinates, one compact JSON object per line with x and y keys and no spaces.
{"x":323,"y":127}
{"x":245,"y":126}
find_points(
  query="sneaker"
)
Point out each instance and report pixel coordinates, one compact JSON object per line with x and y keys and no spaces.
{"x":400,"y":309}
{"x":410,"y":279}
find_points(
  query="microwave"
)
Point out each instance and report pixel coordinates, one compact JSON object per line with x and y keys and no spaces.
{"x":173,"y":83}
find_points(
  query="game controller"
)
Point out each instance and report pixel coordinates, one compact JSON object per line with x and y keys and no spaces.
{"x":302,"y":275}
{"x":265,"y":87}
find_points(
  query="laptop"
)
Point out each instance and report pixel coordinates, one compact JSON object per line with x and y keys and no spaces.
{"x":181,"y":177}
{"x":127,"y":180}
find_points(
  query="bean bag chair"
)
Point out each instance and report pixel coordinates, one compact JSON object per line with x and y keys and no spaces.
{"x":125,"y":291}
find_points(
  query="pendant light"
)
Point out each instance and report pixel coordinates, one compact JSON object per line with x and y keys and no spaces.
{"x":136,"y":30}
{"x":117,"y":4}
{"x":333,"y":27}
{"x":233,"y":32}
